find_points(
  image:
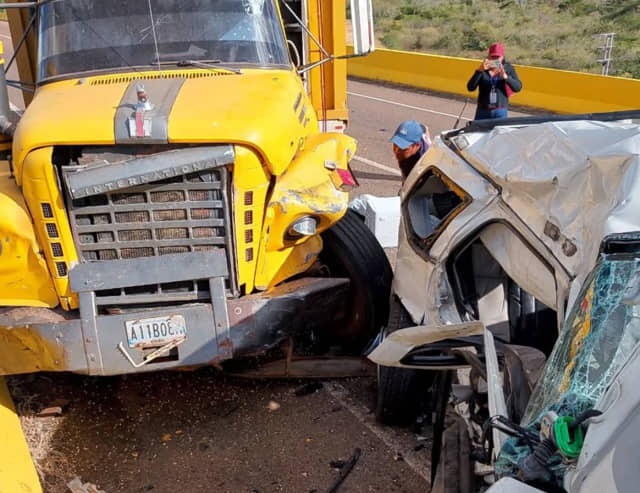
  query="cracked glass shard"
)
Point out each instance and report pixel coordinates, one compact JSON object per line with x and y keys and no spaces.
{"x":600,"y":333}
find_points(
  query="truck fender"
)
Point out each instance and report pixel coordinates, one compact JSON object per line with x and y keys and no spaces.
{"x":24,"y":276}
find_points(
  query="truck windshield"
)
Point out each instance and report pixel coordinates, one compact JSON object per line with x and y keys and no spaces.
{"x":78,"y":36}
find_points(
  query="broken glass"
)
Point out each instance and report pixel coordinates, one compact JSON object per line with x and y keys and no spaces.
{"x":600,"y":333}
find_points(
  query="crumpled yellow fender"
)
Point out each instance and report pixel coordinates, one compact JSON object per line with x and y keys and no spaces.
{"x":24,"y":277}
{"x":309,"y":186}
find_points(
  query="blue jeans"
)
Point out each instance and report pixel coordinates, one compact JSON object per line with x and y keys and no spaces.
{"x":485,"y":114}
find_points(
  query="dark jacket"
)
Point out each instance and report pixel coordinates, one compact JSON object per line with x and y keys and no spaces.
{"x":484,"y":82}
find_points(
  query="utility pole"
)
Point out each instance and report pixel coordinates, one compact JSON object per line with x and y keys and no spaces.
{"x":606,"y":48}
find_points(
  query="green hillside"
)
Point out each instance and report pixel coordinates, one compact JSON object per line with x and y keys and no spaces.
{"x":561,"y":34}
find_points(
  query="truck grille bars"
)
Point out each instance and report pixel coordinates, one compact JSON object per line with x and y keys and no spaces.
{"x":172,"y":202}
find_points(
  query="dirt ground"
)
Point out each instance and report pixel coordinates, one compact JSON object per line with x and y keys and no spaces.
{"x":203,"y":431}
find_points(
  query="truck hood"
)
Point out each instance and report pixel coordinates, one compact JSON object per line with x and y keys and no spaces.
{"x":265,"y":110}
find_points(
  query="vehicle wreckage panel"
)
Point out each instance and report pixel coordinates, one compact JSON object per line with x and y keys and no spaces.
{"x":552,"y":226}
{"x":421,"y":281}
{"x":520,"y":262}
{"x":572,"y":182}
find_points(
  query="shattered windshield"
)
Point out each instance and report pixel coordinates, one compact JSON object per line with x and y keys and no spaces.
{"x":599,"y":335}
{"x":601,"y":331}
{"x":86,"y":35}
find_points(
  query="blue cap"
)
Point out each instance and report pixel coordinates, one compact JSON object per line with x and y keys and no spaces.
{"x":408,"y":133}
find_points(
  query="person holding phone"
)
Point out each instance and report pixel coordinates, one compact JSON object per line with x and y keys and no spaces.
{"x":496,"y":79}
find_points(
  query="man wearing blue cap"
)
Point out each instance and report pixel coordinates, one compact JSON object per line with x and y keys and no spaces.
{"x":410,"y":142}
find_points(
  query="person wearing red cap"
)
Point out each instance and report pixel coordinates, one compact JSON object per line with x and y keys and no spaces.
{"x":496,"y":80}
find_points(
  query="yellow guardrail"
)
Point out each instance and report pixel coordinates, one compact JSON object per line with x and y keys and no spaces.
{"x":560,"y":91}
{"x":17,"y":472}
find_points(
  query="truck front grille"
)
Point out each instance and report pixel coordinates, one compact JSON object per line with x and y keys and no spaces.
{"x":182,"y":214}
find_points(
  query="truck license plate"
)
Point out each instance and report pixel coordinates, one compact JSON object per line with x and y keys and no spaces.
{"x":157,"y":331}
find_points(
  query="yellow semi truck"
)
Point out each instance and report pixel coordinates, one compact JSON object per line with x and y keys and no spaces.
{"x":172,"y":196}
{"x":175,"y":192}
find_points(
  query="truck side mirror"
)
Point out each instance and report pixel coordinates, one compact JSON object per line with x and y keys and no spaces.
{"x":362,"y":23}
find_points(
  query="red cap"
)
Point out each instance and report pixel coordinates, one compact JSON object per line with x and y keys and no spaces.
{"x":496,"y":49}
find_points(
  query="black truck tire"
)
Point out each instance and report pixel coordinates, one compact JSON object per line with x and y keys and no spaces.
{"x":351,"y":250}
{"x":402,"y":392}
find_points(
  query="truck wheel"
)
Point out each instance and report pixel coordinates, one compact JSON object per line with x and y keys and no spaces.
{"x":402,"y":392}
{"x":351,"y":250}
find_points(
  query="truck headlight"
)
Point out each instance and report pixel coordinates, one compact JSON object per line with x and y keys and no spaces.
{"x":304,"y":226}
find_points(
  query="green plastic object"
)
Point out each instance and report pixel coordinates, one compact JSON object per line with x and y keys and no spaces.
{"x":569,"y":442}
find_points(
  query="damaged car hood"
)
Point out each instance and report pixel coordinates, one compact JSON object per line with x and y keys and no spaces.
{"x":572,"y":182}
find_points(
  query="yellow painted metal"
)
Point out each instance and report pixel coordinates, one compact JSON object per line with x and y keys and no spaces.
{"x":305,"y":189}
{"x":266,"y":114}
{"x":194,"y":119}
{"x":277,"y":266}
{"x":22,"y":348}
{"x":23,"y":270}
{"x":266,"y":101}
{"x":574,"y":92}
{"x":281,"y":160}
{"x":250,"y":187}
{"x":559,"y":91}
{"x":17,"y":471}
{"x":74,"y":115}
{"x":40,"y":186}
{"x":328,"y":82}
{"x":256,"y":109}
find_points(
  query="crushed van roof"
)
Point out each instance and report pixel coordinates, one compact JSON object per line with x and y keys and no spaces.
{"x":572,"y":181}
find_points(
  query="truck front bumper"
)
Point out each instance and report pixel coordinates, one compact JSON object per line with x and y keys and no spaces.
{"x":95,"y":343}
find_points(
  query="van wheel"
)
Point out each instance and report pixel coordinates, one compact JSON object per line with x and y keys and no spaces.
{"x":351,"y":250}
{"x":403,"y":393}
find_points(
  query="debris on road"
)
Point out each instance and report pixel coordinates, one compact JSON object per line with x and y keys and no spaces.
{"x":55,"y":408}
{"x":273,"y":406}
{"x":345,"y":470}
{"x":77,"y":486}
{"x":308,"y":388}
{"x":50,"y":411}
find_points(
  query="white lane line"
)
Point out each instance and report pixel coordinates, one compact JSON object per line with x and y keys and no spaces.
{"x":395,"y":440}
{"x":388,"y":101}
{"x":383,"y":167}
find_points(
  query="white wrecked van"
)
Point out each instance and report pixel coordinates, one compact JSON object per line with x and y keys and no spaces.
{"x":516,"y":304}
